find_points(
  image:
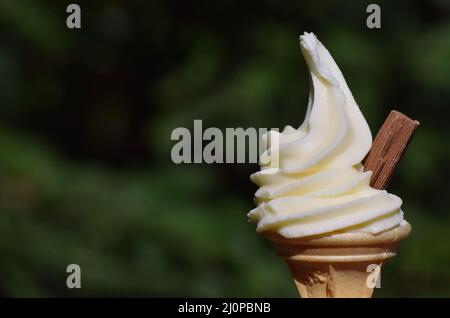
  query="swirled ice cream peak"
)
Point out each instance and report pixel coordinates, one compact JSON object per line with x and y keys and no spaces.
{"x":320,"y":187}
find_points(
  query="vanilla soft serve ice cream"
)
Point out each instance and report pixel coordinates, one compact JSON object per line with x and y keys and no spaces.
{"x":320,"y":187}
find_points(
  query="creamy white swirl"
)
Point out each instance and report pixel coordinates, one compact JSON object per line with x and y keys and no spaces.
{"x":320,"y":186}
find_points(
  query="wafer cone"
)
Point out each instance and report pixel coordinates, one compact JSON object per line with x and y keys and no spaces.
{"x":341,"y":265}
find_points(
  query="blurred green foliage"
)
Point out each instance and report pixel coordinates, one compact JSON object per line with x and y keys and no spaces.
{"x":85,"y":123}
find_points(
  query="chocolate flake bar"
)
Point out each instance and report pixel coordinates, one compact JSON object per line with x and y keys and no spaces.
{"x":388,"y":147}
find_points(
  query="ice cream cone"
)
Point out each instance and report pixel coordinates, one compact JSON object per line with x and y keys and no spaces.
{"x":340,"y":265}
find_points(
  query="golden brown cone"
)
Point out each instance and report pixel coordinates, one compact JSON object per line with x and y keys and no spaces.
{"x":340,"y":265}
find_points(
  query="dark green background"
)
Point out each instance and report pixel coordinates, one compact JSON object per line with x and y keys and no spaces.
{"x":85,"y":123}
